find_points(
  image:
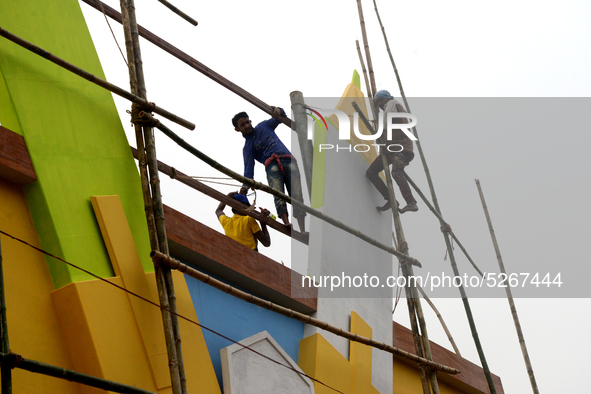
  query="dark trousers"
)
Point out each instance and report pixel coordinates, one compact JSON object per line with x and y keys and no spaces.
{"x":398,"y":160}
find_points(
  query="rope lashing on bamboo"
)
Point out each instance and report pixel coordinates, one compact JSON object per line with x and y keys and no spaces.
{"x":258,"y":185}
{"x":445,"y":228}
{"x":161,"y":258}
{"x":18,"y":359}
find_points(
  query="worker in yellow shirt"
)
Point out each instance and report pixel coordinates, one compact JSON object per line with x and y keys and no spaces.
{"x":241,"y":227}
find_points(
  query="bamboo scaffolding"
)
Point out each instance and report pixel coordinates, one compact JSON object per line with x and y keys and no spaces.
{"x":16,"y":361}
{"x":447,"y":332}
{"x":191,"y":62}
{"x":258,"y":185}
{"x":363,"y":69}
{"x":213,"y":193}
{"x":445,"y":226}
{"x":5,"y":371}
{"x":155,"y":217}
{"x":530,"y":371}
{"x":298,"y":108}
{"x":179,"y":12}
{"x":175,"y":264}
{"x":367,"y":54}
{"x":413,"y":301}
{"x":96,"y":80}
{"x":465,"y":301}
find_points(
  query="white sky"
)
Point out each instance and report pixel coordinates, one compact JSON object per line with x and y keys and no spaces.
{"x":536,"y":185}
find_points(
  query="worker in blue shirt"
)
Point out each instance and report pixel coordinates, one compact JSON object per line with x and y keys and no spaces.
{"x":262,"y":144}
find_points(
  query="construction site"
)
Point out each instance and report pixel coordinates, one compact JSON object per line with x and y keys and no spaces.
{"x":120,"y":159}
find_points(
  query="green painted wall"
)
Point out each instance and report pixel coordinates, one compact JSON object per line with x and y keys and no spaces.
{"x":73,"y":133}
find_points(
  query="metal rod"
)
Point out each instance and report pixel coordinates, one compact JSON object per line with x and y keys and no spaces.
{"x":13,"y":360}
{"x":5,"y":371}
{"x":175,"y":264}
{"x":530,"y":371}
{"x":258,"y":185}
{"x":96,"y":80}
{"x":179,"y":12}
{"x":191,"y":62}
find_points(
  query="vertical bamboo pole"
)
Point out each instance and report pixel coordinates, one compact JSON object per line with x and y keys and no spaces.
{"x":300,"y":125}
{"x":5,"y":372}
{"x":524,"y":351}
{"x":367,"y":86}
{"x":367,"y":54}
{"x":465,"y":301}
{"x":153,"y":205}
{"x":412,"y":298}
{"x":447,"y":332}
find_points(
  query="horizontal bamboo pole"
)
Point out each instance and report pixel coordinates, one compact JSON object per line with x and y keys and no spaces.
{"x":179,"y":12}
{"x":15,"y":361}
{"x":211,"y":192}
{"x":190,"y":61}
{"x":258,"y":185}
{"x":96,"y":80}
{"x":160,"y":258}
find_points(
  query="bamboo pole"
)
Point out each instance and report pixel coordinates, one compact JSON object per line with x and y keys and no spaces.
{"x":447,"y":332}
{"x":191,"y":62}
{"x":5,"y":371}
{"x":366,"y":47}
{"x":226,"y":288}
{"x":156,"y":215}
{"x":96,"y":80}
{"x":298,"y":108}
{"x":465,"y":301}
{"x":17,"y":361}
{"x":179,"y":12}
{"x":530,"y":371}
{"x":445,"y":226}
{"x":367,"y":86}
{"x":258,"y":185}
{"x":414,"y":304}
{"x":211,"y":192}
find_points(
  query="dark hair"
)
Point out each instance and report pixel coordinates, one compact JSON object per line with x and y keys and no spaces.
{"x":238,"y":116}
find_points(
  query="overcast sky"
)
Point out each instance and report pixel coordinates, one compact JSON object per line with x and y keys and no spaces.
{"x":535,"y":179}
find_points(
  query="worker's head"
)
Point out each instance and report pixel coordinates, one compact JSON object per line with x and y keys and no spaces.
{"x":242,"y":123}
{"x":381,"y":98}
{"x":243,"y":199}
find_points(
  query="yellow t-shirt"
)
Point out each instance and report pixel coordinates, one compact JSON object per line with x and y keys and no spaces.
{"x":241,"y":228}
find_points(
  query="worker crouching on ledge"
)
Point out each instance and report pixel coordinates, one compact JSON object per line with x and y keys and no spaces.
{"x":241,"y":227}
{"x":262,"y":144}
{"x":398,"y":160}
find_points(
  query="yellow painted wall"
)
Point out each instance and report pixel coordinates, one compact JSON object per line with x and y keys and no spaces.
{"x":33,"y":328}
{"x":320,"y":360}
{"x":408,"y":381}
{"x":90,"y":327}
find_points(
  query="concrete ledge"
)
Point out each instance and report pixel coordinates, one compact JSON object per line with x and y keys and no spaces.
{"x":471,"y":380}
{"x":15,"y":163}
{"x":205,"y":248}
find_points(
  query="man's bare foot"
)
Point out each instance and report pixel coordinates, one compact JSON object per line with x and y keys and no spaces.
{"x":385,"y":207}
{"x":412,"y":207}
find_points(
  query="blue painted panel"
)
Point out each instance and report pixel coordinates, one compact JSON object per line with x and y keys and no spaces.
{"x":237,"y":319}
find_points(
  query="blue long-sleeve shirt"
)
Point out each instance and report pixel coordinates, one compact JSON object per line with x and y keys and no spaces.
{"x":261,"y":143}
